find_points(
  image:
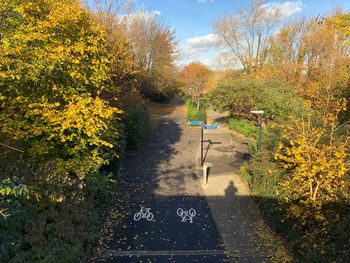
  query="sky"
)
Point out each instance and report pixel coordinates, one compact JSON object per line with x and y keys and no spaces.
{"x":193,"y":21}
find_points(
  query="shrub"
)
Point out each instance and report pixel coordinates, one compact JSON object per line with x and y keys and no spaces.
{"x":314,"y":157}
{"x":264,"y":177}
{"x":316,"y":234}
{"x":54,"y":66}
{"x":241,"y":95}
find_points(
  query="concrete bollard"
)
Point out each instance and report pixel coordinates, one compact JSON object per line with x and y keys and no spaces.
{"x":205,"y":173}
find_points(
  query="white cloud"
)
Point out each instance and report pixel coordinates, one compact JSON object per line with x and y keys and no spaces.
{"x":198,"y":45}
{"x":286,"y":9}
{"x":215,"y":62}
{"x":200,"y":48}
{"x":205,"y":1}
{"x":204,"y":42}
{"x":144,"y":13}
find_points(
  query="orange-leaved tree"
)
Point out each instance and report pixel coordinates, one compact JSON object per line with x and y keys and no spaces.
{"x":193,"y":79}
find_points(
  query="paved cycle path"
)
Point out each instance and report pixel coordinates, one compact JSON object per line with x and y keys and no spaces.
{"x":162,"y":177}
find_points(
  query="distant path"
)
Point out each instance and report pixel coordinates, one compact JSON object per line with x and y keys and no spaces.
{"x":162,"y":176}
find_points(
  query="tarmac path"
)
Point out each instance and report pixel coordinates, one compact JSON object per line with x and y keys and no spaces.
{"x":162,"y":176}
{"x":165,"y":214}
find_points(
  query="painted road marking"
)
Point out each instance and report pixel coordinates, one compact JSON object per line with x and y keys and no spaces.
{"x":113,"y":253}
{"x":186,"y":216}
{"x":144,"y":213}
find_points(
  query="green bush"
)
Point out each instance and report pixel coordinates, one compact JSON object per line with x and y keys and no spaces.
{"x":196,"y":115}
{"x":241,"y":95}
{"x":264,"y":176}
{"x":137,"y":125}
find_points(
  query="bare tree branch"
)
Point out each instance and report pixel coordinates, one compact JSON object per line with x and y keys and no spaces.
{"x":247,"y":33}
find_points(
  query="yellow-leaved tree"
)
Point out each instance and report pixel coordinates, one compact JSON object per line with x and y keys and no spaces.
{"x":55,"y":65}
{"x":314,"y":154}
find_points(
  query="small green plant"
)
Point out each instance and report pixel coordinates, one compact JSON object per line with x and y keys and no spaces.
{"x":244,"y":172}
{"x":252,"y":147}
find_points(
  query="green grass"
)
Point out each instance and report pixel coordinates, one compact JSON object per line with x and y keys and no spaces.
{"x":193,"y":114}
{"x":245,"y":127}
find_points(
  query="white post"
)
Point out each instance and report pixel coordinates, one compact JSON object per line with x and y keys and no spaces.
{"x":205,"y":173}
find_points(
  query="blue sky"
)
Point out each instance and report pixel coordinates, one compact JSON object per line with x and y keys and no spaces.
{"x":193,"y":21}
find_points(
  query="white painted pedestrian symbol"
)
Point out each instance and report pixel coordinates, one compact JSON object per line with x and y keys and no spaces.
{"x":186,"y":216}
{"x":144,"y":213}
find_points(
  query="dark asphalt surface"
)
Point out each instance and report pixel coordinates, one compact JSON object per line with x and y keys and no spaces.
{"x":155,"y":178}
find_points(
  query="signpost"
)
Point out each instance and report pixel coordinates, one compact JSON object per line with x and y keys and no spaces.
{"x":195,"y":123}
{"x":203,"y":126}
{"x":202,"y":140}
{"x":260,"y":113}
{"x":209,"y":127}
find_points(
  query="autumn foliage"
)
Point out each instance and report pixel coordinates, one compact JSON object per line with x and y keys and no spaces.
{"x":154,"y":46}
{"x":315,"y":157}
{"x":193,"y":79}
{"x":300,"y":78}
{"x":55,"y":72}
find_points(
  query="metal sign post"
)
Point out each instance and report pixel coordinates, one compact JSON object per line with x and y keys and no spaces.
{"x":202,"y":140}
{"x":209,"y":127}
{"x":260,"y":130}
{"x":260,"y":113}
{"x":203,"y":126}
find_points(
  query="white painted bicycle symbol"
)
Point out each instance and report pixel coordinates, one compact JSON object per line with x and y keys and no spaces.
{"x":144,"y":213}
{"x":186,"y":216}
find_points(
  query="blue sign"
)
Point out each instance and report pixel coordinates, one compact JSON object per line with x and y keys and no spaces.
{"x":195,"y":123}
{"x":211,"y":126}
